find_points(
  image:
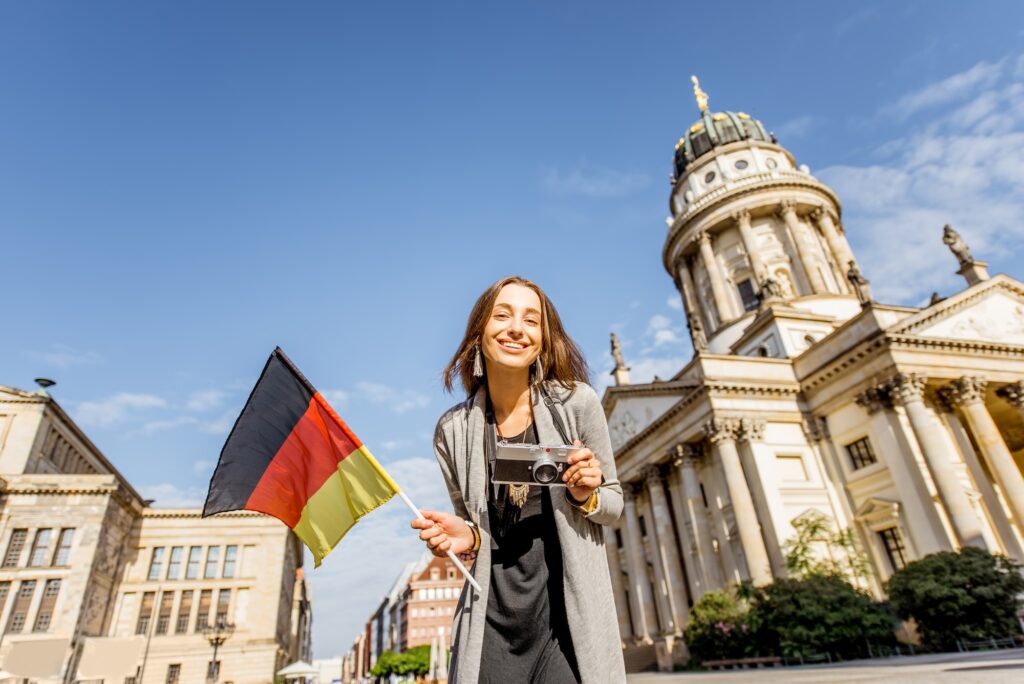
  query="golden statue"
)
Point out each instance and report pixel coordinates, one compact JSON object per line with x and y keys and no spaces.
{"x":702,"y":97}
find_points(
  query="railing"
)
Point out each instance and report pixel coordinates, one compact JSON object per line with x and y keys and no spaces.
{"x":989,"y":644}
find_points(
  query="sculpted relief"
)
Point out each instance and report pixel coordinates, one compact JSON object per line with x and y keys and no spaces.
{"x":622,"y":427}
{"x":997,"y":318}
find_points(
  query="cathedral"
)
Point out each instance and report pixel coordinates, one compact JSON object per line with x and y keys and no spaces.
{"x":804,"y":397}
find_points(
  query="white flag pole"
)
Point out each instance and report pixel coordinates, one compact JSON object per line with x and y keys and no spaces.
{"x":452,"y":556}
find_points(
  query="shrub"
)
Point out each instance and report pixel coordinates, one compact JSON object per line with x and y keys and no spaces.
{"x":967,"y":595}
{"x":815,"y":535}
{"x":718,"y":627}
{"x":415,"y":661}
{"x":816,"y":614}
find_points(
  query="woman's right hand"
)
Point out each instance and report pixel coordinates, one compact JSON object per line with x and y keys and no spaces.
{"x":444,"y":532}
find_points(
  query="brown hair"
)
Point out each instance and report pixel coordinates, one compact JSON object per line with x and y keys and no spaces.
{"x":560,"y":358}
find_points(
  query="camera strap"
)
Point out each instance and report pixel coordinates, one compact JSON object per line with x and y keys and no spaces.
{"x":556,"y":417}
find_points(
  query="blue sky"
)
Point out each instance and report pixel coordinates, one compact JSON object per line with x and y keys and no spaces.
{"x":186,"y":185}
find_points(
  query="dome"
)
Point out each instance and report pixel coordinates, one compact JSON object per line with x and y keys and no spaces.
{"x":712,"y":130}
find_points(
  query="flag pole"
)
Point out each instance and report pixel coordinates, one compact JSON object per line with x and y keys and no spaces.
{"x":451,"y":555}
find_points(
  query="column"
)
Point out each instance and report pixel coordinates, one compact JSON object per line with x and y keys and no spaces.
{"x":969,"y":394}
{"x":694,"y":312}
{"x":751,"y":431}
{"x":788,"y":213}
{"x":697,"y":513}
{"x":836,"y":240}
{"x":641,"y":601}
{"x":907,"y":389}
{"x":661,"y":519}
{"x":691,"y":562}
{"x":618,"y":587}
{"x":757,"y":268}
{"x":723,"y":303}
{"x":662,"y":586}
{"x":722,"y":435}
{"x":923,"y":524}
{"x":1014,"y":394}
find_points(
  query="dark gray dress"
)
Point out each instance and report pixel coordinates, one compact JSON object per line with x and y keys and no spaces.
{"x":526,"y":639}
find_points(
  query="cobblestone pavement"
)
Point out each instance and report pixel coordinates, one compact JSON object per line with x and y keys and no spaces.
{"x":990,"y":667}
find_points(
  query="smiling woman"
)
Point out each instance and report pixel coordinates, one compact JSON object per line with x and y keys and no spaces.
{"x":546,"y":612}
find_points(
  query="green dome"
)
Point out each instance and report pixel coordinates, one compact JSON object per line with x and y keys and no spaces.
{"x":714,"y":129}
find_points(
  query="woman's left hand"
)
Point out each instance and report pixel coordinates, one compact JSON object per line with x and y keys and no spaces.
{"x":584,"y":474}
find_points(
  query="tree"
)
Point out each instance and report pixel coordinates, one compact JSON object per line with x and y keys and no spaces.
{"x":819,"y":613}
{"x":814,"y":534}
{"x":968,"y":595}
{"x":718,"y":627}
{"x":415,"y":661}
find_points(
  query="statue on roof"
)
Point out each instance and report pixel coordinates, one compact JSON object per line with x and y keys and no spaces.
{"x":700,"y":95}
{"x":617,"y":352}
{"x":957,"y":245}
{"x":861,"y":285}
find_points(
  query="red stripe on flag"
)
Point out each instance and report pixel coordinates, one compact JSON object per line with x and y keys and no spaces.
{"x":310,"y":455}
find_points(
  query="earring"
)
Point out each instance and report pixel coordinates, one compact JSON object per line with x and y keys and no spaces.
{"x":478,"y":364}
{"x":538,"y":370}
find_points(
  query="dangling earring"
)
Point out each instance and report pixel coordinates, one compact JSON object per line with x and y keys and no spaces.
{"x":538,"y":371}
{"x":478,"y":364}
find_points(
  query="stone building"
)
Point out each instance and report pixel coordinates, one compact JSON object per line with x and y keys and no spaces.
{"x":804,"y":396}
{"x":85,"y":556}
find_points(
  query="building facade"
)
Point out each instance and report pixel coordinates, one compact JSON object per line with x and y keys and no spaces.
{"x":804,"y":397}
{"x":85,"y":556}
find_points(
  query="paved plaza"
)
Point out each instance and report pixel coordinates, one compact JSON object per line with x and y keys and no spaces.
{"x":991,"y":667}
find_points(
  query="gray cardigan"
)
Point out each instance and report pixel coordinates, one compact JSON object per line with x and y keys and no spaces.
{"x":589,"y":604}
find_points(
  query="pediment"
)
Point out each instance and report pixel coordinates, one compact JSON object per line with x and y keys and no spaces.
{"x":632,"y":414}
{"x":13,"y":394}
{"x":875,"y":509}
{"x":990,"y":313}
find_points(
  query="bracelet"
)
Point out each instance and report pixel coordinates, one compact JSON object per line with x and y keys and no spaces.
{"x":476,"y":536}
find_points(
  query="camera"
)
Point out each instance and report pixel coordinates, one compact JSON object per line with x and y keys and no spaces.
{"x":531,"y":464}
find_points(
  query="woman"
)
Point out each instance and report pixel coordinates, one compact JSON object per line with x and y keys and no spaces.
{"x":546,"y":613}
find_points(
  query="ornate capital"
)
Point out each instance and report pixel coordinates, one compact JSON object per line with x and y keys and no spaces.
{"x":741,"y":216}
{"x":814,"y":427}
{"x":969,"y":389}
{"x":905,"y":388}
{"x":685,"y":455}
{"x":651,"y":475}
{"x":751,"y":430}
{"x":702,"y":238}
{"x":1013,"y":393}
{"x":787,"y":207}
{"x":721,"y":429}
{"x":874,"y":399}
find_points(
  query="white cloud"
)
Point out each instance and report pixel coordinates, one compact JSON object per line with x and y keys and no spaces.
{"x":956,"y":87}
{"x":658,"y":322}
{"x":220,"y":426}
{"x":336,"y":398}
{"x":398,"y":400}
{"x":964,"y":167}
{"x":646,"y":368}
{"x":166,"y":495}
{"x":795,"y":128}
{"x":206,"y":400}
{"x":663,"y":337}
{"x":116,"y":408}
{"x":592,"y":181}
{"x":202,"y":467}
{"x":674,"y":302}
{"x":169,"y":424}
{"x":62,"y":356}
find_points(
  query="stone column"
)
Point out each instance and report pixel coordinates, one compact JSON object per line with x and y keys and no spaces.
{"x":969,"y":394}
{"x":836,"y":240}
{"x":907,"y":389}
{"x":718,"y":501}
{"x":722,"y":434}
{"x":742,"y":219}
{"x":751,"y":431}
{"x":662,"y":585}
{"x":618,"y":587}
{"x":661,"y":519}
{"x":787,"y":210}
{"x":923,"y":524}
{"x":641,"y":601}
{"x":697,"y":513}
{"x":694,"y":312}
{"x":723,"y":304}
{"x":691,"y":563}
{"x":1014,"y":394}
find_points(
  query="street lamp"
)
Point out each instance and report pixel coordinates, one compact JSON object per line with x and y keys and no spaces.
{"x":217,"y":634}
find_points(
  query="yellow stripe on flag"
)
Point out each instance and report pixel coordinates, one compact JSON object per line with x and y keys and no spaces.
{"x":359,"y":486}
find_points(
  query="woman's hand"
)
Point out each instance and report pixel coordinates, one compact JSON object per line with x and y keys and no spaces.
{"x":444,"y":532}
{"x":584,"y":474}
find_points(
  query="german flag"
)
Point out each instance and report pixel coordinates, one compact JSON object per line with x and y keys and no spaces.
{"x":289,"y":455}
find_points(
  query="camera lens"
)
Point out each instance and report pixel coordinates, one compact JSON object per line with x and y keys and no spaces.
{"x":545,"y":470}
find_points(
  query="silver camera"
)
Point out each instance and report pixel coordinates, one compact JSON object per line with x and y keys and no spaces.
{"x":537,"y":464}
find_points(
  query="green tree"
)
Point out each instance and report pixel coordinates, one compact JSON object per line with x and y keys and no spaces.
{"x":967,"y":595}
{"x":415,"y":661}
{"x":819,"y":548}
{"x":818,"y":613}
{"x":718,"y":627}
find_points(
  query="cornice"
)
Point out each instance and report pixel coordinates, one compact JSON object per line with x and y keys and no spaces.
{"x":907,"y":341}
{"x":951,"y":305}
{"x":197,"y":514}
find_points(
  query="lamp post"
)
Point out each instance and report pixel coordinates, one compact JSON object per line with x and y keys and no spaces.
{"x":217,"y":634}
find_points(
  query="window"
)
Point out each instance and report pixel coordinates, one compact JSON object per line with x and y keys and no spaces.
{"x":894,"y":548}
{"x":618,"y":538}
{"x":742,"y":164}
{"x":643,"y":526}
{"x":192,"y":569}
{"x":747,"y":294}
{"x":230,"y":560}
{"x":435,"y":573}
{"x":212,"y":556}
{"x":163,"y":618}
{"x":145,"y":613}
{"x":184,"y":610}
{"x":223,"y":601}
{"x":63,"y":551}
{"x":174,"y":673}
{"x":174,"y":564}
{"x":40,"y":548}
{"x":861,"y":453}
{"x":14,"y":547}
{"x":156,"y":563}
{"x":5,"y":589}
{"x":451,"y":573}
{"x":19,"y":611}
{"x":45,"y":613}
{"x":709,"y":177}
{"x":203,"y":617}
{"x":212,"y":671}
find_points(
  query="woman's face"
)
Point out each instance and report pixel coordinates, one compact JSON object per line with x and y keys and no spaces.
{"x":513,"y":334}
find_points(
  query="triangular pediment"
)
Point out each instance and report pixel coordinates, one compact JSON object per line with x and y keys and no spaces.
{"x":633,"y":413}
{"x":14,"y":394}
{"x":990,"y":312}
